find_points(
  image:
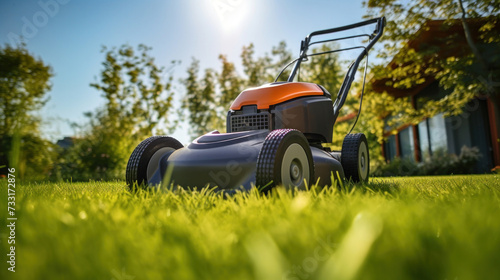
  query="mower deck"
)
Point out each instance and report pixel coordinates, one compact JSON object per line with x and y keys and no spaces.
{"x":227,"y":161}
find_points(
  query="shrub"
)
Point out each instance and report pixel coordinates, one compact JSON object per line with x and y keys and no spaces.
{"x":440,"y":163}
{"x":397,"y":167}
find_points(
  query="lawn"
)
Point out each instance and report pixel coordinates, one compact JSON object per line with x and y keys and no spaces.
{"x":397,"y":228}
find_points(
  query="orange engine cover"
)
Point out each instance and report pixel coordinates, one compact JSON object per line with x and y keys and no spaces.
{"x":272,"y":94}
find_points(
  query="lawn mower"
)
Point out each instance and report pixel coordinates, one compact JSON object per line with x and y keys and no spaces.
{"x":275,"y":135}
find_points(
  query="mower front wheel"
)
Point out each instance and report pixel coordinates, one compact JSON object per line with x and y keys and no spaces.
{"x":145,"y":158}
{"x":285,"y":159}
{"x":355,"y":157}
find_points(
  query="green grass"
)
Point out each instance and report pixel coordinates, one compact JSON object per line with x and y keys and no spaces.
{"x":401,"y":228}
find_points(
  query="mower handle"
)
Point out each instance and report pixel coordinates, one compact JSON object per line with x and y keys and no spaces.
{"x":304,"y":45}
{"x":349,"y":78}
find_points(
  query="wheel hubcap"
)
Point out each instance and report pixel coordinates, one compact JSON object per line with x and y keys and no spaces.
{"x":294,"y":167}
{"x":363,"y":161}
{"x":295,"y":170}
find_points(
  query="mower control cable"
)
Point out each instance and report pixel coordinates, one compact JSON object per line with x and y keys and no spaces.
{"x":361,"y":97}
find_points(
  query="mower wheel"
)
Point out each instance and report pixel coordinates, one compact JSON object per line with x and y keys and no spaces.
{"x":145,"y":158}
{"x":355,"y":158}
{"x":285,"y":159}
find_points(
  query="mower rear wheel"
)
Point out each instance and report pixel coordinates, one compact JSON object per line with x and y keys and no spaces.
{"x":355,"y":157}
{"x":145,"y":158}
{"x":285,"y":159}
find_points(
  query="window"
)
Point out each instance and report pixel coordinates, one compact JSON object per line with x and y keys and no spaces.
{"x":437,"y":132}
{"x":406,"y":143}
{"x":390,"y":147}
{"x":424,"y":137}
{"x":432,"y":134}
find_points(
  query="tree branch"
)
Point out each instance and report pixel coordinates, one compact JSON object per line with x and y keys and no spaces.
{"x":468,"y":37}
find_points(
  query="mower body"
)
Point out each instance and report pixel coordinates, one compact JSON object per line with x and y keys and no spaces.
{"x":228,"y":160}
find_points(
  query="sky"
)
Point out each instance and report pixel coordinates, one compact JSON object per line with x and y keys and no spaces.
{"x":69,"y":35}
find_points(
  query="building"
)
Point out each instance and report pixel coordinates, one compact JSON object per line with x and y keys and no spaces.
{"x":66,"y":142}
{"x":478,"y":125}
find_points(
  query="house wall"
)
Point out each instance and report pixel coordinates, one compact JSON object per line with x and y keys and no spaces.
{"x":493,"y":103}
{"x":471,"y":129}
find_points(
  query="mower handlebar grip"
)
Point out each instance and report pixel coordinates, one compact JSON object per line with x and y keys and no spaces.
{"x":380,"y":21}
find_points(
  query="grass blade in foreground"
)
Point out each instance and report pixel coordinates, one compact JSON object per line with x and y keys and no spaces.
{"x":402,"y":228}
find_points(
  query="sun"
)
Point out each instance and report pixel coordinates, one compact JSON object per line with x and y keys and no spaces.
{"x":231,"y":13}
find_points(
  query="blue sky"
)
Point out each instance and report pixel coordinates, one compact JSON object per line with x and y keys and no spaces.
{"x":69,"y":34}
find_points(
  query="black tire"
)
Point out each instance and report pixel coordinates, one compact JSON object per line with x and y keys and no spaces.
{"x":285,"y":159}
{"x":355,"y":157}
{"x":148,"y":153}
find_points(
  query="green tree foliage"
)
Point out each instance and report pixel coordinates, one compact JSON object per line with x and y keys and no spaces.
{"x":476,"y":71}
{"x":137,"y":98}
{"x":230,"y":84}
{"x":199,"y":99}
{"x":256,"y":70}
{"x":263,"y":70}
{"x":326,"y":70}
{"x":207,"y":100}
{"x":24,"y":83}
{"x":282,"y":56}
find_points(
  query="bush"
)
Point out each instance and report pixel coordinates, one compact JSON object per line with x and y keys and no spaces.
{"x":440,"y":163}
{"x":397,"y":167}
{"x":32,"y":156}
{"x":97,"y":156}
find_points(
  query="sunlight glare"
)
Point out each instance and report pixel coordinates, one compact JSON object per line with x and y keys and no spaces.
{"x":231,"y":13}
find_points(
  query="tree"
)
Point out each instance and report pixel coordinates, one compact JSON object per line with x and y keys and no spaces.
{"x":263,"y":70}
{"x":475,"y":71}
{"x":325,"y":70}
{"x":256,"y":70}
{"x":137,"y":99}
{"x":199,"y":99}
{"x":24,"y":83}
{"x":230,"y":84}
{"x":283,"y":56}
